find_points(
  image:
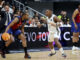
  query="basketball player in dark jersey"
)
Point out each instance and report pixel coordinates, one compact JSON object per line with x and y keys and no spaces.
{"x":16,"y":28}
{"x":76,"y":28}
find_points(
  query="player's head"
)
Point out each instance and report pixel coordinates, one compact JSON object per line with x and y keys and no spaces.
{"x":48,"y":12}
{"x":79,"y":6}
{"x":7,"y":8}
{"x":25,"y":16}
{"x":64,"y":13}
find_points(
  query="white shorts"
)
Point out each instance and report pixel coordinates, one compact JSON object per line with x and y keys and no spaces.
{"x":51,"y":36}
{"x":57,"y":35}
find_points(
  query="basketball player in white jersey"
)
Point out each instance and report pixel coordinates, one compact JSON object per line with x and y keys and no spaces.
{"x":54,"y":32}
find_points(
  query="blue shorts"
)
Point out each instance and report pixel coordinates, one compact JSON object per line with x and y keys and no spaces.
{"x":14,"y":32}
{"x":73,"y":29}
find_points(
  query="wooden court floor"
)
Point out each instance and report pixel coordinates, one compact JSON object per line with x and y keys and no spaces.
{"x":43,"y":56}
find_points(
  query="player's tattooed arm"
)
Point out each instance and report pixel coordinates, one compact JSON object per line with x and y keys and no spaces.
{"x":11,"y":24}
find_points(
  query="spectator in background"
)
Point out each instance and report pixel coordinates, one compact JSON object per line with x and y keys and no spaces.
{"x":10,"y":9}
{"x":39,"y":25}
{"x":26,"y":10}
{"x":36,"y":15}
{"x":36,"y":20}
{"x":33,"y":24}
{"x":17,"y":13}
{"x":64,"y":18}
{"x":14,"y":8}
{"x":29,"y":22}
{"x":9,"y":16}
{"x":60,"y":16}
{"x":42,"y":21}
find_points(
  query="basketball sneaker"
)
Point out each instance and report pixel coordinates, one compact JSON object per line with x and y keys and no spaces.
{"x":3,"y":54}
{"x":27,"y":56}
{"x":51,"y":54}
{"x":64,"y":55}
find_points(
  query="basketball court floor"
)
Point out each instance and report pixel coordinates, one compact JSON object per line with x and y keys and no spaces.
{"x":43,"y":55}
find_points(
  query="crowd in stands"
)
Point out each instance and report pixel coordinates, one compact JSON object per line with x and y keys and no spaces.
{"x":34,"y":21}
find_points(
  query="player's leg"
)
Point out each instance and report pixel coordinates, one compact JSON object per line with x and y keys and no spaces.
{"x":57,"y":43}
{"x":9,"y":41}
{"x":5,"y":45}
{"x":2,"y":42}
{"x":75,"y":37}
{"x":50,"y":43}
{"x":53,"y":52}
{"x":75,"y":40}
{"x":56,"y":39}
{"x":59,"y":46}
{"x":24,"y":44}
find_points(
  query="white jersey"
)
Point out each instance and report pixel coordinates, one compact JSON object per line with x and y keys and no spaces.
{"x":50,"y":27}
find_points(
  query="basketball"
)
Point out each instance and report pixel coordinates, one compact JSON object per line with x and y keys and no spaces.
{"x":5,"y":36}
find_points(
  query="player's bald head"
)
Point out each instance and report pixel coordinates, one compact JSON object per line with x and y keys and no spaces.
{"x":48,"y":12}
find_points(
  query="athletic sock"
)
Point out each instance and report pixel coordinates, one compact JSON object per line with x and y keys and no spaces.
{"x":25,"y":50}
{"x":4,"y":49}
{"x":52,"y":50}
{"x":61,"y":50}
{"x":75,"y":44}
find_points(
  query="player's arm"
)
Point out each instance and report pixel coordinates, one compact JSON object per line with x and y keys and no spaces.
{"x":56,"y":19}
{"x":73,"y":17}
{"x":22,"y":29}
{"x":11,"y":24}
{"x":52,"y":23}
{"x":44,"y":19}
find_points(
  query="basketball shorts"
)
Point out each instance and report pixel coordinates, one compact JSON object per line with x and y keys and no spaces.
{"x":51,"y":36}
{"x":73,"y":29}
{"x":14,"y":32}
